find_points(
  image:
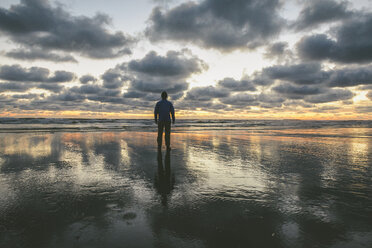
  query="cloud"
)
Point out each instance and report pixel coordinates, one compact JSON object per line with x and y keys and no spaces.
{"x":351,"y":77}
{"x":270,"y":100}
{"x":352,"y":42}
{"x":321,"y":11}
{"x":27,"y":96}
{"x":87,"y":89}
{"x":36,"y":23}
{"x":218,"y":24}
{"x":39,"y":54}
{"x":23,"y":87}
{"x":15,"y":87}
{"x":241,"y":100}
{"x":155,"y":73}
{"x":66,"y":96}
{"x":312,"y":94}
{"x":331,"y":95}
{"x":134,"y":94}
{"x":312,"y":73}
{"x":157,"y":86}
{"x":234,"y":85}
{"x":206,"y":93}
{"x":87,"y":78}
{"x":51,"y":87}
{"x":173,"y":64}
{"x":296,"y":92}
{"x":33,"y":74}
{"x":113,"y":79}
{"x":303,"y":73}
{"x":135,"y":83}
{"x":278,"y":50}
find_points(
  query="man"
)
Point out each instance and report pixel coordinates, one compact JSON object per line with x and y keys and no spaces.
{"x":162,"y":109}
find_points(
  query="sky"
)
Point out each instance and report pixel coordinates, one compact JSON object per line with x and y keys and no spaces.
{"x":235,"y":59}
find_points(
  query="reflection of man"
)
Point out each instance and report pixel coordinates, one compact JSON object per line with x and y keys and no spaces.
{"x":164,"y":181}
{"x":162,"y":109}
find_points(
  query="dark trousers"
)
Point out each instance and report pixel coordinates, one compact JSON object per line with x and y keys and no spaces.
{"x":161,"y":126}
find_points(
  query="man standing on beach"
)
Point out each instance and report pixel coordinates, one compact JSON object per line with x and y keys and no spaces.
{"x":162,"y":109}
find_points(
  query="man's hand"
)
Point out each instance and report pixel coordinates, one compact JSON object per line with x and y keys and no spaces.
{"x":156,"y":121}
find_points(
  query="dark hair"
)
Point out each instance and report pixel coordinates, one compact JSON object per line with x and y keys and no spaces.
{"x":164,"y":95}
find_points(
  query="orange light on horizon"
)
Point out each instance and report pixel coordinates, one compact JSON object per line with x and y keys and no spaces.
{"x":347,"y":114}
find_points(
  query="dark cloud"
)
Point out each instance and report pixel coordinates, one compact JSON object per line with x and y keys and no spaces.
{"x":219,"y":24}
{"x":331,"y":95}
{"x":111,"y":93}
{"x":297,"y":103}
{"x":296,"y":92}
{"x":36,"y":23}
{"x":39,"y":54}
{"x":258,"y":78}
{"x":240,"y":100}
{"x":352,"y":42}
{"x":87,"y":78}
{"x":312,"y":73}
{"x":27,"y":96}
{"x":51,"y":87}
{"x":305,"y":73}
{"x":207,"y":105}
{"x":317,"y":12}
{"x":15,"y":87}
{"x":270,"y":100}
{"x":351,"y":77}
{"x":61,"y":76}
{"x":18,"y":73}
{"x":157,"y":86}
{"x":278,"y":50}
{"x":33,"y":74}
{"x":234,"y":85}
{"x":206,"y":93}
{"x":113,"y":79}
{"x":66,"y":96}
{"x":173,"y":64}
{"x":155,"y":73}
{"x":23,"y":87}
{"x":134,"y":94}
{"x":87,"y":89}
{"x":177,"y":96}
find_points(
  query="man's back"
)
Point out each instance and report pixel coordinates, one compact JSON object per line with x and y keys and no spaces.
{"x":163,"y":108}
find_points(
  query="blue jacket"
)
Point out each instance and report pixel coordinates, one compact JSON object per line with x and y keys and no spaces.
{"x":163,"y":108}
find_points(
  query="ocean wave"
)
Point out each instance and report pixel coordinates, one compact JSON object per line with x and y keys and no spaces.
{"x":76,"y":124}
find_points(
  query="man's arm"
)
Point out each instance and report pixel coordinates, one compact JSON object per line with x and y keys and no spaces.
{"x":156,"y":112}
{"x":172,"y":113}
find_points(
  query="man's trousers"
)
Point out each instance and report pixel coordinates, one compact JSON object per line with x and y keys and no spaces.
{"x":161,"y":126}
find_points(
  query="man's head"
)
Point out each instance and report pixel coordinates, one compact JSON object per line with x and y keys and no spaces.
{"x":164,"y":95}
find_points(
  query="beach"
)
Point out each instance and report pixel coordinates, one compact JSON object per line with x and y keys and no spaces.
{"x":221,"y":185}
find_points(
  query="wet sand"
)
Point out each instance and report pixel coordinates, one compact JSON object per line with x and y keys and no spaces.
{"x":288,"y":188}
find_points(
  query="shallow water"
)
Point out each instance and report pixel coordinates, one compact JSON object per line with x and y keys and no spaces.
{"x":235,"y":188}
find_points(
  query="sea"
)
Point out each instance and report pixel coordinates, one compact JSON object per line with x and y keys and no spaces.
{"x":182,"y":125}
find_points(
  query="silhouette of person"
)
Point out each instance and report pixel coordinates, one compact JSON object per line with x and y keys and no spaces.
{"x":162,"y":109}
{"x":164,"y":181}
